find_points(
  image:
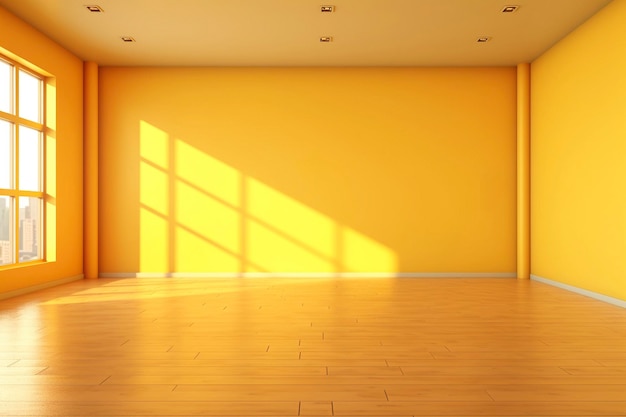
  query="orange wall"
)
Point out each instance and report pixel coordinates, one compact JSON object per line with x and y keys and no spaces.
{"x":579,"y":157}
{"x":64,"y":147}
{"x":307,"y":170}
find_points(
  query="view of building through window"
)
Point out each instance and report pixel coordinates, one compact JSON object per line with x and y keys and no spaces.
{"x":21,"y":164}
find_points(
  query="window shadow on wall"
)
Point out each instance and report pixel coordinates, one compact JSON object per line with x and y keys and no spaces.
{"x":199,"y":214}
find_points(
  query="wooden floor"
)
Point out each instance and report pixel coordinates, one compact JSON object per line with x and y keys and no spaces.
{"x":311,"y":347}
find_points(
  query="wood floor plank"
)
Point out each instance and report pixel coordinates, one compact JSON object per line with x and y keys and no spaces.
{"x":621,"y":363}
{"x":227,"y":354}
{"x":316,"y":408}
{"x":365,"y":371}
{"x":366,"y":355}
{"x":461,"y":363}
{"x":108,"y":363}
{"x":275,"y":392}
{"x":499,"y":409}
{"x":511,"y":371}
{"x":13,"y":355}
{"x":548,"y":393}
{"x":22,"y":371}
{"x":442,"y":392}
{"x":86,"y":393}
{"x":383,"y":381}
{"x":597,"y":370}
{"x":549,"y":355}
{"x":240,"y":371}
{"x":149,"y":408}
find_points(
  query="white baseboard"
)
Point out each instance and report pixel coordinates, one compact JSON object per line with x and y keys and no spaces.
{"x":38,"y":287}
{"x":607,"y":299}
{"x":308,"y":275}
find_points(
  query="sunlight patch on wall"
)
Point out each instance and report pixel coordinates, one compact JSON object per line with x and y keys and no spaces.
{"x":274,"y":251}
{"x":154,"y":145}
{"x":210,"y":175}
{"x":154,"y":192}
{"x":307,"y":228}
{"x":216,"y":222}
{"x":154,"y":195}
{"x":154,"y":242}
{"x":362,"y":254}
{"x":199,"y":214}
{"x":196,"y":253}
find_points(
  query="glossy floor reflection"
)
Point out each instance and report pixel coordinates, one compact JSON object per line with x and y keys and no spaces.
{"x":311,"y":347}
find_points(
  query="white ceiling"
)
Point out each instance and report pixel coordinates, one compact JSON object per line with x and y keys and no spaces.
{"x":287,"y":32}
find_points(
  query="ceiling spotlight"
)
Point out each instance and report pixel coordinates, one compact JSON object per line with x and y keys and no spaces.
{"x":128,"y":39}
{"x":326,"y":39}
{"x":483,"y":39}
{"x":94,"y":8}
{"x":510,"y":9}
{"x":327,"y":9}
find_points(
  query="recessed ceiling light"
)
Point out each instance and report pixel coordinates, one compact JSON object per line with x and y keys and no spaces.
{"x":510,"y":9}
{"x":483,"y":39}
{"x":326,"y":39}
{"x":94,"y":8}
{"x":128,"y":39}
{"x":327,"y":9}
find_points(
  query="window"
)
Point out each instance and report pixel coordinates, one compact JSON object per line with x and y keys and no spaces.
{"x":21,"y":164}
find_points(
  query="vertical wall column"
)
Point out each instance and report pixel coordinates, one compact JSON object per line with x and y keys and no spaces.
{"x":90,"y":169}
{"x":523,"y":171}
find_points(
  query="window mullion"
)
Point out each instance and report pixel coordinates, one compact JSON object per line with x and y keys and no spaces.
{"x":16,"y":130}
{"x":43,"y":247}
{"x":8,"y":116}
{"x":35,"y":194}
{"x":16,"y":165}
{"x":16,"y":228}
{"x":31,"y":124}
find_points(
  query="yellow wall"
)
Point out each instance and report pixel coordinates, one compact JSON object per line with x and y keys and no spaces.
{"x":579,"y":157}
{"x":64,"y":147}
{"x":307,"y":170}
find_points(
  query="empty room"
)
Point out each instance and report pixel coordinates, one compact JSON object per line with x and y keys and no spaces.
{"x":295,"y":208}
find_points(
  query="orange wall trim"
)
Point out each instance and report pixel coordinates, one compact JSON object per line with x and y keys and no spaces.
{"x":604,"y":298}
{"x":90,"y":112}
{"x":523,"y":171}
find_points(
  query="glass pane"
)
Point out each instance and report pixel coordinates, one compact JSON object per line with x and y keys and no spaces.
{"x":6,"y":154}
{"x":30,"y":97}
{"x":6,"y":231}
{"x":30,"y":159}
{"x":30,"y":228}
{"x":6,"y":87}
